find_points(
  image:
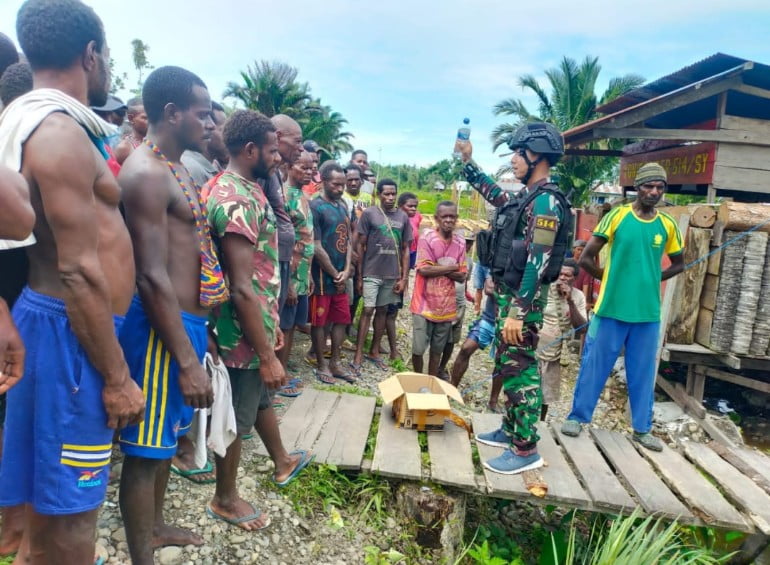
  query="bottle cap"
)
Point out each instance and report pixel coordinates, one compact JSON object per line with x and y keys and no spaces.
{"x":466,"y":120}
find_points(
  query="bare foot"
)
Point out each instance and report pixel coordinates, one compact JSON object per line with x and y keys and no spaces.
{"x":12,"y":531}
{"x":164,"y":535}
{"x":185,"y":466}
{"x":286,"y":467}
{"x":240,"y":513}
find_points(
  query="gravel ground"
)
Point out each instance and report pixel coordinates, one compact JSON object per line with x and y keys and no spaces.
{"x":292,"y":538}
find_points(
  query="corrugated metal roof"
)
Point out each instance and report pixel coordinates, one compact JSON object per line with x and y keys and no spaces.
{"x":712,"y":69}
{"x":710,"y":66}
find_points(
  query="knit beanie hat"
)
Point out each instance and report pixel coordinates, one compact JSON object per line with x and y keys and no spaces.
{"x":650,"y":172}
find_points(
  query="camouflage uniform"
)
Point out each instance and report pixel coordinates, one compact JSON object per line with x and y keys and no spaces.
{"x":517,"y":365}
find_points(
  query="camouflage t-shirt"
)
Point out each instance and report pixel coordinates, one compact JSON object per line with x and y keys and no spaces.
{"x":298,"y":208}
{"x":238,"y":206}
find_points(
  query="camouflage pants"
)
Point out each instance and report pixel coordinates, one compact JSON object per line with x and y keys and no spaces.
{"x":517,"y":367}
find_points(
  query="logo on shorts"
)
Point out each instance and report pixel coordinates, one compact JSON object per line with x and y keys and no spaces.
{"x":89,"y":479}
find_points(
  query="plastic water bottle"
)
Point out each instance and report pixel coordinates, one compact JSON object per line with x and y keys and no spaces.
{"x":463,"y":134}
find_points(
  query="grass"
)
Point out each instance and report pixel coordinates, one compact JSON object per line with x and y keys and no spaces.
{"x":467,"y":208}
{"x":326,"y":489}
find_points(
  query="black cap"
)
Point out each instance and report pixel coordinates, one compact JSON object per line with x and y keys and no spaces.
{"x":113,"y":104}
{"x":311,"y":146}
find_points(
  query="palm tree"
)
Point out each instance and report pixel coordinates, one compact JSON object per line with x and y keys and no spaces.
{"x":325,"y":126}
{"x":271,"y":88}
{"x":572,"y":102}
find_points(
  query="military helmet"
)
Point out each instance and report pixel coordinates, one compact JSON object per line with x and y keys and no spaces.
{"x":541,"y":138}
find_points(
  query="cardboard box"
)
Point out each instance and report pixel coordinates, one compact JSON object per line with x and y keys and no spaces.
{"x":419,"y":401}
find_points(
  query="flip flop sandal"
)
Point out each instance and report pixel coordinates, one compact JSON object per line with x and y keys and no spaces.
{"x":325,"y":377}
{"x":311,"y":361}
{"x":355,"y":368}
{"x":346,"y":376}
{"x":305,"y":459}
{"x":255,"y":514}
{"x":378,"y":362}
{"x":289,"y":391}
{"x":191,"y":474}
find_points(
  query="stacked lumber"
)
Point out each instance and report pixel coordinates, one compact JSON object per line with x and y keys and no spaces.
{"x":729,"y":292}
{"x":750,"y":285}
{"x":732,"y":315}
{"x":760,"y":339}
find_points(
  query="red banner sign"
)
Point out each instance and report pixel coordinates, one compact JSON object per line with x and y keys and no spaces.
{"x":688,"y":164}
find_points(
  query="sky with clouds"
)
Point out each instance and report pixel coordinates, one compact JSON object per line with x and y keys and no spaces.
{"x":405,"y":73}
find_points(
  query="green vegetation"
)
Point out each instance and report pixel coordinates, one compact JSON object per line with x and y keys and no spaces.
{"x":326,"y":489}
{"x":571,"y":102}
{"x":272,"y":88}
{"x":580,"y":538}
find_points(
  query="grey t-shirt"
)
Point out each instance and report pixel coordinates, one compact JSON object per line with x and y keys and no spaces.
{"x":201,"y":169}
{"x":383,"y":244}
{"x":274,"y":194}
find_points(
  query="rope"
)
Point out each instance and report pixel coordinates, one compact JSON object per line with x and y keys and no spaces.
{"x":573,"y":331}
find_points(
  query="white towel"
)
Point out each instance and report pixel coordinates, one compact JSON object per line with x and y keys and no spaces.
{"x":223,"y":430}
{"x":22,"y":117}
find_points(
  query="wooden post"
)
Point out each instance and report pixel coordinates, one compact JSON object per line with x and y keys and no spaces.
{"x":668,"y":297}
{"x":685,"y":304}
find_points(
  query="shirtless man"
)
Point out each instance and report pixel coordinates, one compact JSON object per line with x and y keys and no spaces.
{"x":79,"y":389}
{"x":178,"y":280}
{"x":137,"y":119}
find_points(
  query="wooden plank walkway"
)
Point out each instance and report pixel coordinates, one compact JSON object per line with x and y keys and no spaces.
{"x":599,"y":471}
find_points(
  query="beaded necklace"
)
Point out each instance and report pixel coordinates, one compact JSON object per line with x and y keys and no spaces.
{"x":213,"y":290}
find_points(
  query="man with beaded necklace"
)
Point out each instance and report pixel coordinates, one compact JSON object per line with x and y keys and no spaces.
{"x":178,"y":281}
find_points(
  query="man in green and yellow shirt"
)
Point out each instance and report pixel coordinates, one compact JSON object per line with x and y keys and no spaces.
{"x":628,"y":308}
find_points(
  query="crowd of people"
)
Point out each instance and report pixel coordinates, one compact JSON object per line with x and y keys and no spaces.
{"x":142,"y":237}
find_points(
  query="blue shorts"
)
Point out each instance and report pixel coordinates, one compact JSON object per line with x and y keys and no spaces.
{"x":166,"y":415}
{"x":57,"y":447}
{"x":293,"y":315}
{"x":482,"y":332}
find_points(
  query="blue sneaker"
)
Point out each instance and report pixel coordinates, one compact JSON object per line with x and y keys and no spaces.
{"x":509,"y":463}
{"x":496,"y":438}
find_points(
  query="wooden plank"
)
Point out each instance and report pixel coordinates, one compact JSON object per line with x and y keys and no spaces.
{"x":760,"y":461}
{"x":502,"y":486}
{"x":343,"y":439}
{"x":753,"y":125}
{"x":397,"y":453}
{"x":744,"y":460}
{"x":668,"y":298}
{"x":753,"y":384}
{"x":735,"y":137}
{"x":304,"y":419}
{"x":703,"y":327}
{"x":678,"y":394}
{"x":703,"y":498}
{"x":741,"y":179}
{"x":741,"y":490}
{"x":602,"y":485}
{"x":563,"y":486}
{"x":451,"y":461}
{"x":748,"y":156}
{"x":653,"y":495}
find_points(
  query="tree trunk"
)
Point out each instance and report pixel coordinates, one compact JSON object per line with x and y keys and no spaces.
{"x":685,"y":306}
{"x":740,"y":216}
{"x":703,"y":217}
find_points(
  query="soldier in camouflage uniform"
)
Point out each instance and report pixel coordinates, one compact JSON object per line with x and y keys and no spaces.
{"x":536,"y":148}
